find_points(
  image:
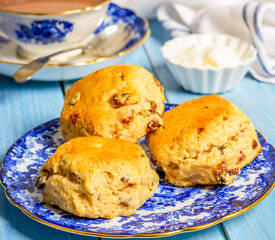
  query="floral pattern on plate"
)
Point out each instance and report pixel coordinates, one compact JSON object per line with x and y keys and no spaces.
{"x":170,"y":209}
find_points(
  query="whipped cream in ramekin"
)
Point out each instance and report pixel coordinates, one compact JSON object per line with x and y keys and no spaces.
{"x":208,"y":63}
{"x":208,"y":56}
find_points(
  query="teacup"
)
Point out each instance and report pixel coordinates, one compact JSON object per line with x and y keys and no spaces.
{"x":40,"y":34}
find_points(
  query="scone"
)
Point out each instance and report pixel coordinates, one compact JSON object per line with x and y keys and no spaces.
{"x":97,"y":177}
{"x":203,"y":141}
{"x":122,"y":101}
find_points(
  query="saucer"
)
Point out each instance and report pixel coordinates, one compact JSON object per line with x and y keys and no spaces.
{"x":86,"y":63}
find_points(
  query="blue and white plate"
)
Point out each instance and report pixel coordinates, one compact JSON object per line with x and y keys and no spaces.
{"x":86,"y":63}
{"x":171,"y":210}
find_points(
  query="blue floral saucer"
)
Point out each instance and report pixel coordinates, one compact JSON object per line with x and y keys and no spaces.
{"x":86,"y":63}
{"x":171,"y":210}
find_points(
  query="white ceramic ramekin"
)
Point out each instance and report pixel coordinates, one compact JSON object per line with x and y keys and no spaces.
{"x":208,"y":79}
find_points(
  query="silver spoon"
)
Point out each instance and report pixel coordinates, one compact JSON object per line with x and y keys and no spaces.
{"x":104,"y":44}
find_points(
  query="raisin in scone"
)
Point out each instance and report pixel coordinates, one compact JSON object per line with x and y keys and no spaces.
{"x":122,"y":101}
{"x":97,"y":177}
{"x":203,"y":141}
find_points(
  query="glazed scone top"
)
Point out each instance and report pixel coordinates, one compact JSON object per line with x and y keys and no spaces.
{"x":86,"y":159}
{"x":97,"y":177}
{"x":199,"y":124}
{"x":110,"y":100}
{"x":203,"y":141}
{"x":112,"y":80}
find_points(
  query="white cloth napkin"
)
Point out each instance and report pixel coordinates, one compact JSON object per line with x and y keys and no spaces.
{"x":251,"y":21}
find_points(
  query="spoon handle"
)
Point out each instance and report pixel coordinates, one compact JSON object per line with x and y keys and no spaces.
{"x":25,"y":72}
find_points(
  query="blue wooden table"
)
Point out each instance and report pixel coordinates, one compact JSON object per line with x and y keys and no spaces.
{"x":22,"y":107}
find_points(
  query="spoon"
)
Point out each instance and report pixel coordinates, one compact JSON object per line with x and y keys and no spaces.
{"x":109,"y":41}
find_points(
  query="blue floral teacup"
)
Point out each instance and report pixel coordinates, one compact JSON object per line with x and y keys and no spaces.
{"x":41,"y":34}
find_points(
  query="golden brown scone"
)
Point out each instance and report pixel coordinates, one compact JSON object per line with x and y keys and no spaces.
{"x":97,"y":177}
{"x":122,"y":101}
{"x":203,"y":141}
